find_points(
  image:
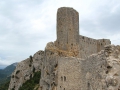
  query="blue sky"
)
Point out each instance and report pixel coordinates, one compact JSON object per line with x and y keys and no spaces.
{"x":27,"y":25}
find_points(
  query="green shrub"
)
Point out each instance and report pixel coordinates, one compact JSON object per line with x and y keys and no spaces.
{"x":4,"y":86}
{"x":30,"y":84}
{"x":33,"y":69}
{"x":31,"y":60}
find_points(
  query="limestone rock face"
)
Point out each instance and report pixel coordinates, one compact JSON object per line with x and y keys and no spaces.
{"x":38,"y":59}
{"x":101,"y":71}
{"x":21,"y":74}
{"x":113,"y":67}
{"x":48,"y":79}
{"x":25,"y":70}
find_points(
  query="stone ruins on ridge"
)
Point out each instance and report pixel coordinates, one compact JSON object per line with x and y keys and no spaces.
{"x":73,"y":61}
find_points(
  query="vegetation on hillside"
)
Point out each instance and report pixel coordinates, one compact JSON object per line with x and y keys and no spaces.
{"x":2,"y":76}
{"x":5,"y":85}
{"x":6,"y":73}
{"x":32,"y":83}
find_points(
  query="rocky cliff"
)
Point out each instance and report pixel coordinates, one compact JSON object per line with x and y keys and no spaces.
{"x":100,"y":71}
{"x":25,"y":70}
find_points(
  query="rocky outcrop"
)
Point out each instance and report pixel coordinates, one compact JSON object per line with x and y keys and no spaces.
{"x":48,"y":79}
{"x":98,"y":71}
{"x":25,"y":70}
{"x":113,"y":67}
{"x":101,"y":71}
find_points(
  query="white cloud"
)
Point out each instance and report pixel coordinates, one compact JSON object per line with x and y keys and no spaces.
{"x":37,"y":25}
{"x":26,"y":26}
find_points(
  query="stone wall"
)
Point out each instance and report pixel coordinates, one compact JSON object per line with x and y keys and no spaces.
{"x":100,"y":71}
{"x":68,"y":38}
{"x":93,"y":71}
{"x":88,"y":46}
{"x":101,"y":43}
{"x":69,"y":73}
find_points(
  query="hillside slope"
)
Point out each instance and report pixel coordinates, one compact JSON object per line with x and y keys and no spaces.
{"x":6,"y":73}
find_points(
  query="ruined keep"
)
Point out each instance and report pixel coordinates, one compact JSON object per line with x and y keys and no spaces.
{"x":68,"y":38}
{"x":73,"y":61}
{"x":64,"y":67}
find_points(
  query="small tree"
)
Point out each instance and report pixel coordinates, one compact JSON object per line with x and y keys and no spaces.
{"x":31,"y":59}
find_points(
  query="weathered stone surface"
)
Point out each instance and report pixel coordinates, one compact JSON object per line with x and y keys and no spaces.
{"x":93,"y":70}
{"x":68,"y":38}
{"x":113,"y":67}
{"x":100,"y":71}
{"x":21,"y":74}
{"x":25,"y":70}
{"x":49,"y":68}
{"x":38,"y":59}
{"x":69,"y":73}
{"x":67,"y":29}
{"x":88,"y":46}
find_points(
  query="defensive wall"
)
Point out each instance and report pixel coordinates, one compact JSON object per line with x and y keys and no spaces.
{"x":88,"y":46}
{"x":69,"y":73}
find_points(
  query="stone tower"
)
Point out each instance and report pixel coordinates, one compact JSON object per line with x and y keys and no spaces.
{"x":67,"y":29}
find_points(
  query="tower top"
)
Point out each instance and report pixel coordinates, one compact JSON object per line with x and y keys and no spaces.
{"x":70,"y":8}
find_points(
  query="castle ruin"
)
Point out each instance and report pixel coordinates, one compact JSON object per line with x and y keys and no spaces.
{"x":66,"y":59}
{"x":68,"y":38}
{"x":73,"y":61}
